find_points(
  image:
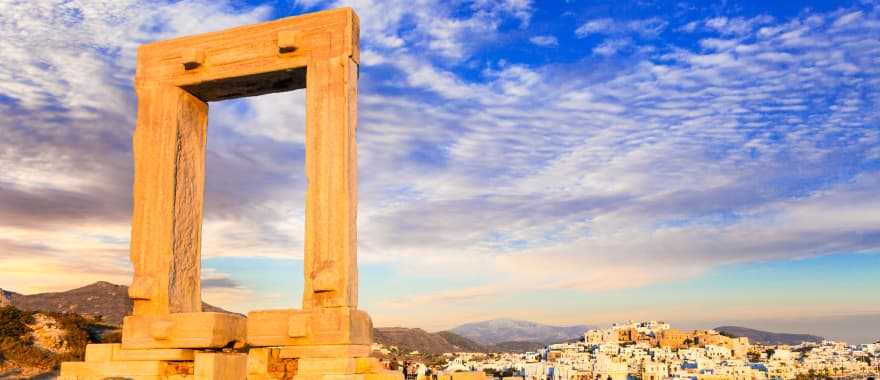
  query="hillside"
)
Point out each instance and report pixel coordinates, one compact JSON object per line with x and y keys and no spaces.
{"x":32,"y":344}
{"x":103,"y":300}
{"x":461,"y":343}
{"x":766,"y":337}
{"x":408,"y":340}
{"x":510,"y":330}
{"x":110,"y":303}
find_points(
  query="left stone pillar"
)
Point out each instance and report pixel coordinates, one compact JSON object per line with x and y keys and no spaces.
{"x":167,"y":334}
{"x":168,"y":199}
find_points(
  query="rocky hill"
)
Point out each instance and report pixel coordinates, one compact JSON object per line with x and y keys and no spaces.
{"x":766,"y":337}
{"x":109,"y":303}
{"x":511,"y":330}
{"x":32,"y":344}
{"x":101,"y":300}
{"x":5,"y":298}
{"x":461,"y":343}
{"x":408,"y":340}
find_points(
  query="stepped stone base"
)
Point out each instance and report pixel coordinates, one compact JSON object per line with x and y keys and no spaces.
{"x":327,"y":351}
{"x":270,"y":363}
{"x":112,"y":361}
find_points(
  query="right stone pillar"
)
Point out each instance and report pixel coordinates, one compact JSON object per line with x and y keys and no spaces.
{"x":329,"y":336}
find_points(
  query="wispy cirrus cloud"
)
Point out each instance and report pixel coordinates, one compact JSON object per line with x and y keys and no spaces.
{"x":650,"y":27}
{"x":68,"y":113}
{"x":544,"y":40}
{"x":756,"y":142}
{"x":673,"y":166}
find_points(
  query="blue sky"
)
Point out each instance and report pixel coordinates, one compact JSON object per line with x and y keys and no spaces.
{"x":564,"y":162}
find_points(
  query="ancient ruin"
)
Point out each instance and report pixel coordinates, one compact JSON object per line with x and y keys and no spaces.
{"x":168,"y":335}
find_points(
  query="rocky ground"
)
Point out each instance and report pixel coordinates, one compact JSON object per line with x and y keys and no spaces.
{"x":33,"y":344}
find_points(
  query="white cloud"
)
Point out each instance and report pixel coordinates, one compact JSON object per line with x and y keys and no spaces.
{"x":544,"y":40}
{"x":690,"y":26}
{"x":617,"y":182}
{"x":650,"y":27}
{"x":438,"y":26}
{"x":847,"y":19}
{"x":754,"y":146}
{"x":602,"y":25}
{"x":68,"y":107}
{"x":611,"y":46}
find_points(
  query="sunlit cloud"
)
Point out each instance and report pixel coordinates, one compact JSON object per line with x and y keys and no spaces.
{"x":644,"y":163}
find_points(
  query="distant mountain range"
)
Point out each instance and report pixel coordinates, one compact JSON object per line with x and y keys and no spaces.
{"x":766,"y":337}
{"x":408,"y":340}
{"x":110,"y":303}
{"x":511,"y":330}
{"x":103,"y":300}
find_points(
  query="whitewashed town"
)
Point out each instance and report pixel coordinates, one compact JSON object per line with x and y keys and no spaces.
{"x":654,"y":350}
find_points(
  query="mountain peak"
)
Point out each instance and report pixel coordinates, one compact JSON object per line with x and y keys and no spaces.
{"x":500,"y":330}
{"x":101,"y":285}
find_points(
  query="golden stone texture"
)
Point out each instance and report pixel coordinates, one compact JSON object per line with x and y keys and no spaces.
{"x":168,"y":336}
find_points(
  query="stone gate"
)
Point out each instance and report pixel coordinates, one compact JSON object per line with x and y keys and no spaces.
{"x":168,"y":335}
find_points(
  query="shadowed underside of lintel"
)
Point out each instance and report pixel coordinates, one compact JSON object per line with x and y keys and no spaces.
{"x":252,"y":85}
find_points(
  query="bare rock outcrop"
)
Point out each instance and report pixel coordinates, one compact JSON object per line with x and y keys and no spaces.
{"x":48,"y":333}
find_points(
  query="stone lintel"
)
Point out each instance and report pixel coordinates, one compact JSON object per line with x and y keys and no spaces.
{"x":204,"y":63}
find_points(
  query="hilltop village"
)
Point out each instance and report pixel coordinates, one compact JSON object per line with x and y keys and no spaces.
{"x":654,"y":350}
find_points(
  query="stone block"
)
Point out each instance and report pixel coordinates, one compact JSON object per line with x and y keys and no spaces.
{"x":385,"y":375}
{"x":115,"y":352}
{"x":298,"y":325}
{"x":262,"y":364}
{"x":337,"y":366}
{"x":99,"y":370}
{"x":286,"y":41}
{"x":182,"y":330}
{"x":330,"y":377}
{"x":100,"y":352}
{"x":326,"y":351}
{"x":381,"y":375}
{"x":320,"y":326}
{"x":473,"y":375}
{"x":169,"y":354}
{"x":220,"y":366}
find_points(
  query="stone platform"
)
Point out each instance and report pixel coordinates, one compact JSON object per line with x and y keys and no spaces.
{"x":266,"y":363}
{"x":271,"y":363}
{"x":104,"y":361}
